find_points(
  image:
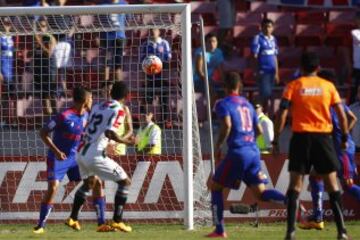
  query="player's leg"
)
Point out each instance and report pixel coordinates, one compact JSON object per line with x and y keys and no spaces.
{"x":332,"y":188}
{"x":315,"y":221}
{"x":108,"y":169}
{"x":347,"y":174}
{"x":46,"y":205}
{"x":119,"y":49}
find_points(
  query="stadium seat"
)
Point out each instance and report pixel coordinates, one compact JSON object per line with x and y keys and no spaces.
{"x":242,"y":6}
{"x":235,"y":64}
{"x":341,"y":17}
{"x":248,"y":18}
{"x":310,"y":17}
{"x":281,"y":18}
{"x":286,"y":74}
{"x":338,"y":34}
{"x":289,"y":57}
{"x":249,"y":78}
{"x":309,"y":35}
{"x":243,"y":35}
{"x":262,"y":7}
{"x":203,"y":7}
{"x":284,"y":34}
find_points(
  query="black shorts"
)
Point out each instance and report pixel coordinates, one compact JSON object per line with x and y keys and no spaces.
{"x":115,"y":51}
{"x":315,"y":150}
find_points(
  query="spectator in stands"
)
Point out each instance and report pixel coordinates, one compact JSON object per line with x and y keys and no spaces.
{"x":355,"y":33}
{"x":264,"y":141}
{"x":44,"y":68}
{"x":227,"y":17}
{"x":34,"y":3}
{"x":265,"y":50}
{"x":158,"y":85}
{"x":214,"y":62}
{"x":149,"y":136}
{"x":355,"y":132}
{"x":114,"y":42}
{"x":7,"y":56}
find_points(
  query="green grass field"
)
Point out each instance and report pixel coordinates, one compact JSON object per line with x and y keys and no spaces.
{"x":173,"y":232}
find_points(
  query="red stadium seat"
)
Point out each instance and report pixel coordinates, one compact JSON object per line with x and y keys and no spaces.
{"x":338,"y":34}
{"x":248,"y":18}
{"x":249,"y":78}
{"x":286,"y":74}
{"x":308,"y":17}
{"x":242,"y":6}
{"x":281,"y":18}
{"x":341,"y":17}
{"x":203,"y":7}
{"x":243,"y":35}
{"x":309,"y":35}
{"x":235,"y":64}
{"x":262,"y":7}
{"x":289,"y":57}
{"x":284,"y":34}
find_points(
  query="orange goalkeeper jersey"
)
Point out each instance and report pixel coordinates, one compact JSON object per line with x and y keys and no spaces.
{"x":310,"y":100}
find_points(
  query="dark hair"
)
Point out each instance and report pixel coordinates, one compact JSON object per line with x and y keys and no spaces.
{"x":310,"y":62}
{"x":119,"y":91}
{"x":106,"y":84}
{"x":232,"y":79}
{"x":79,"y":93}
{"x":328,"y":75}
{"x":267,"y":21}
{"x":210,"y":35}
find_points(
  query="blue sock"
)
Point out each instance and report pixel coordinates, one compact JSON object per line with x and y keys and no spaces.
{"x":99,"y":204}
{"x":354,"y":190}
{"x":272,"y":195}
{"x":217,"y":202}
{"x":317,"y":194}
{"x":45,"y":210}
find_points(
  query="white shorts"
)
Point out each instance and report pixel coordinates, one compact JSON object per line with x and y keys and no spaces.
{"x":103,"y":167}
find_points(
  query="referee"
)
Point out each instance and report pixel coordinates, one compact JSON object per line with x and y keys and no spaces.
{"x":309,"y":99}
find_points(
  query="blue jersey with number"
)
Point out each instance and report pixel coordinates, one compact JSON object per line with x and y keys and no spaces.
{"x":243,"y":120}
{"x":160,"y":48}
{"x":67,"y":128}
{"x":337,"y":133}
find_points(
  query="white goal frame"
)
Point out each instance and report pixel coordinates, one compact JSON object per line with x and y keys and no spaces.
{"x":186,"y":73}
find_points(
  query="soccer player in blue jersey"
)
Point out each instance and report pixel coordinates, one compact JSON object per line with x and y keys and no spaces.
{"x":242,"y":161}
{"x":7,"y":56}
{"x":347,"y":171}
{"x":67,"y":128}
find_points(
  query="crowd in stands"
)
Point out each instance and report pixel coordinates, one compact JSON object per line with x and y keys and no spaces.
{"x":262,"y":42}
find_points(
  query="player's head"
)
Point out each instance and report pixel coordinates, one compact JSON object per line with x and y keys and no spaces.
{"x":106,"y":89}
{"x":82,"y":96}
{"x":258,"y":107}
{"x":7,"y":23}
{"x":267,"y":26}
{"x":310,"y":63}
{"x":147,"y":117}
{"x":211,"y":41}
{"x":233,"y":83}
{"x":155,"y":33}
{"x":43,"y":24}
{"x":119,"y":91}
{"x":328,"y":75}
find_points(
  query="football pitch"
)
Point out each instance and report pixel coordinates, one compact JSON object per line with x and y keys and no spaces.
{"x":173,"y":232}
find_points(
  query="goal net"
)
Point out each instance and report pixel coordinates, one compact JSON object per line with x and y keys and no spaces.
{"x":45,"y":52}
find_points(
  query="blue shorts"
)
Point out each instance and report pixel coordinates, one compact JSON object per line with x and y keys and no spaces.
{"x":265,"y":84}
{"x":241,"y":164}
{"x":348,"y":165}
{"x":56,"y":169}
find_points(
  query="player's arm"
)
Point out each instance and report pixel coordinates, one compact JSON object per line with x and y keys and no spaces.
{"x":115,"y":137}
{"x":352,"y":119}
{"x":200,"y":66}
{"x":225,"y":128}
{"x":339,"y":109}
{"x":128,"y":123}
{"x":281,"y":119}
{"x":45,"y":137}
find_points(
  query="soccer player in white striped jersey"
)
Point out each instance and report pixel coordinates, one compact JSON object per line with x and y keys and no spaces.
{"x":105,"y":118}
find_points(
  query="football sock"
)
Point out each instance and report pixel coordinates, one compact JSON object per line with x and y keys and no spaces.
{"x":120,"y":200}
{"x":354,"y":190}
{"x":272,"y":195}
{"x":292,"y":205}
{"x":80,"y":198}
{"x":217,"y":202}
{"x":45,"y":210}
{"x":336,"y":205}
{"x":99,"y":204}
{"x":317,"y":194}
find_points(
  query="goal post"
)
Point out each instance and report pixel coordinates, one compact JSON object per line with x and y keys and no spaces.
{"x":18,"y":128}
